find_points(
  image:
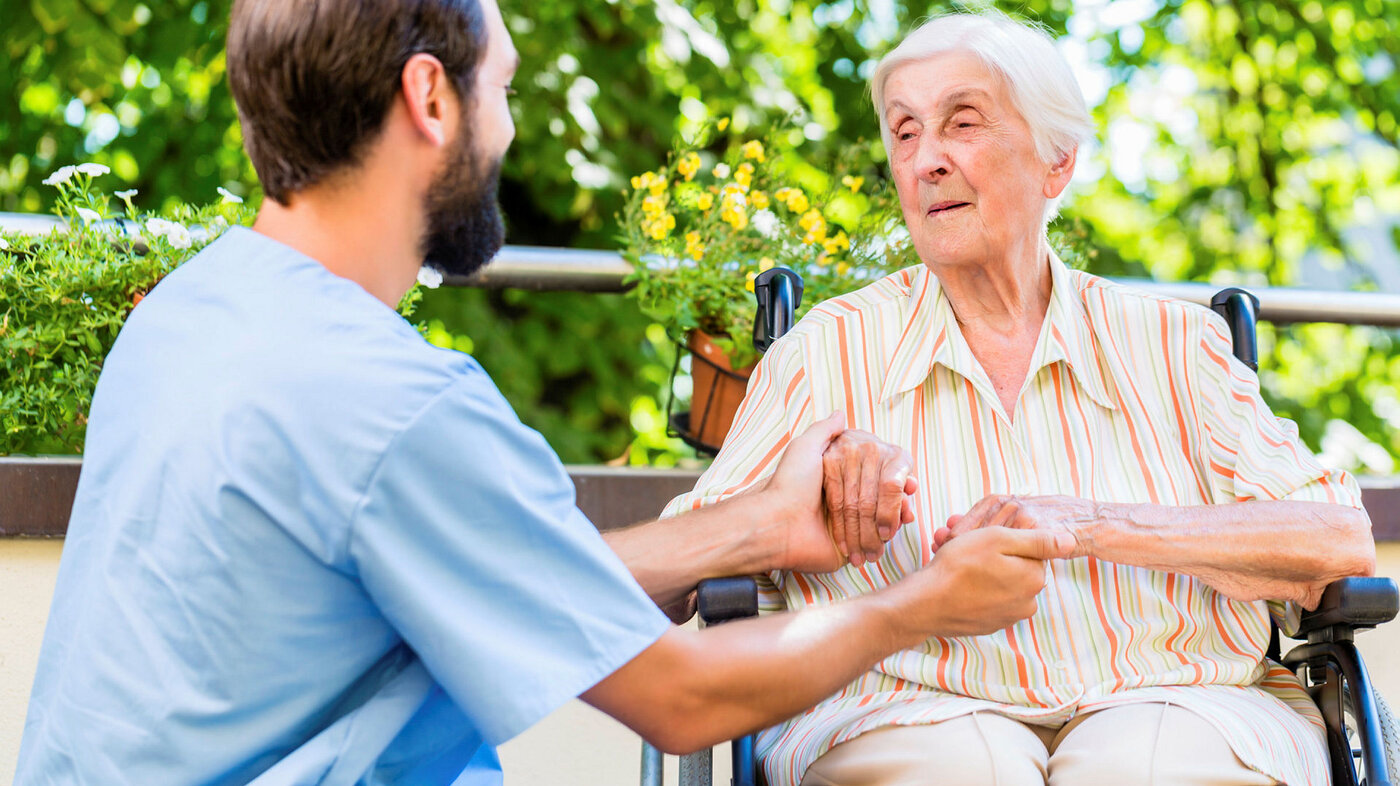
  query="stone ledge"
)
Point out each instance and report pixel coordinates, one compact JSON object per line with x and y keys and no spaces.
{"x":36,"y":496}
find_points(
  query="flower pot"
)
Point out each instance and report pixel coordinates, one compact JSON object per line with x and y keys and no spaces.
{"x":717,"y":390}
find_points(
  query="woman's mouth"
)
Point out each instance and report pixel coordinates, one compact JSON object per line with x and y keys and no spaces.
{"x":945,"y":207}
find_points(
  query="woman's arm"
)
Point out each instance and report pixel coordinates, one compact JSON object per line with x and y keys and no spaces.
{"x":1259,"y":550}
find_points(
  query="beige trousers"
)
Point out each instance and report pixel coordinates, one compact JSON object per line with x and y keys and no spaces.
{"x":1135,"y":745}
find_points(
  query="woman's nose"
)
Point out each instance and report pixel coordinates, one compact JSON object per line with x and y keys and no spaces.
{"x":931,"y":161}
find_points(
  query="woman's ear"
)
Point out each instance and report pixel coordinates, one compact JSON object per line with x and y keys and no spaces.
{"x":1057,"y":179}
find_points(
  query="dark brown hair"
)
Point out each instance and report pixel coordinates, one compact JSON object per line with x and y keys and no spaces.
{"x":314,"y":79}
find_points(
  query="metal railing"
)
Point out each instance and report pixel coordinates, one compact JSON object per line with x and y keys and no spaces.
{"x":583,"y":270}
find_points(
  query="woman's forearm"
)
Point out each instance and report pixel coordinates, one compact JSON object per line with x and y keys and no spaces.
{"x":1283,"y":550}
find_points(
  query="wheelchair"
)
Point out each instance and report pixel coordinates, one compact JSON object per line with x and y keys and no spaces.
{"x":1363,"y":736}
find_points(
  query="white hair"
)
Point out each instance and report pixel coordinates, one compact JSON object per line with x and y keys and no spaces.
{"x":1042,"y":86}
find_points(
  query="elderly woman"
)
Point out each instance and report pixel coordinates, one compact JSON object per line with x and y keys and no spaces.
{"x":1035,"y":396}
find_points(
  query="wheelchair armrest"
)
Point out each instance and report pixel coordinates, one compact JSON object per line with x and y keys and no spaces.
{"x":1352,"y":603}
{"x":730,"y":598}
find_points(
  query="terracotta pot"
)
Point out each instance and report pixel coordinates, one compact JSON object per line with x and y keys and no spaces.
{"x":718,"y":389}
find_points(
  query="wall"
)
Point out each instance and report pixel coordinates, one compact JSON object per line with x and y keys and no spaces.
{"x":576,"y":746}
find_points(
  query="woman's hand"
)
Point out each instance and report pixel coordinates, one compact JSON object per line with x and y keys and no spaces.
{"x":868,"y":484}
{"x":1074,"y":515}
{"x":842,"y":495}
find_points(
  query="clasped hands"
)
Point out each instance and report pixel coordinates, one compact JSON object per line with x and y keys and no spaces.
{"x":866,"y":496}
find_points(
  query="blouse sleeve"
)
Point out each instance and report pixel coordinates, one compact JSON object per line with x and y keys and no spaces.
{"x":1251,"y":454}
{"x":776,"y":406}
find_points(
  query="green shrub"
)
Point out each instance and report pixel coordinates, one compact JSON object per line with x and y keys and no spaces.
{"x":64,"y":296}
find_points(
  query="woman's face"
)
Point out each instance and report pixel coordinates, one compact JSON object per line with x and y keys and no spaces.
{"x":971,"y":186}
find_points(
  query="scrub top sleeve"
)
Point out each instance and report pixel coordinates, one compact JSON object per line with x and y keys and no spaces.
{"x":469,"y":542}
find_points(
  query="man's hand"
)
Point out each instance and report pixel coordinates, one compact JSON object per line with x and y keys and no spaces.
{"x":981,"y":582}
{"x":1073,"y":515}
{"x":867,"y":483}
{"x":873,"y":480}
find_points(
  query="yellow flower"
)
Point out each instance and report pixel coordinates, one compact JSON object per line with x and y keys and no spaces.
{"x":693,"y":247}
{"x":765,"y":264}
{"x":722,"y":124}
{"x":744,"y":174}
{"x":754,"y":149}
{"x":659,"y":227}
{"x":705,"y":201}
{"x":649,"y":181}
{"x":736,"y":217}
{"x":688,"y":165}
{"x":653,"y":206}
{"x":759,"y":200}
{"x":721,"y":170}
{"x":853,"y":183}
{"x":749,"y":284}
{"x":815,"y":225}
{"x":795,"y":200}
{"x":842,"y":268}
{"x":837,"y":243}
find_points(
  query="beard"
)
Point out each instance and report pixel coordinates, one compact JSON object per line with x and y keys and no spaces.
{"x":464,"y":222}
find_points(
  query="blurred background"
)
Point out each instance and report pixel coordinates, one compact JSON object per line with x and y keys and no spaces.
{"x":1239,"y":142}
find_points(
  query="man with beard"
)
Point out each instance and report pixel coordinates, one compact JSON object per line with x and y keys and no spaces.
{"x":309,"y":547}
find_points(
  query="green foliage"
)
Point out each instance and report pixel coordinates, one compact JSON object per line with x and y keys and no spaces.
{"x":584,"y":360}
{"x":1269,"y":132}
{"x":64,"y":296}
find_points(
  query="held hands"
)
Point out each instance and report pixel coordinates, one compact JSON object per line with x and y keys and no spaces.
{"x":982,"y":582}
{"x":866,"y":482}
{"x":1071,"y":515}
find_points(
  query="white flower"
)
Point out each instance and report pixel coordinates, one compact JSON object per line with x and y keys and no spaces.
{"x":721,"y":171}
{"x":229,"y":196}
{"x":88,"y":216}
{"x":180,"y":238}
{"x":127,"y":194}
{"x":765,"y":222}
{"x":430,"y":277}
{"x":160,"y":227}
{"x":93,"y":170}
{"x":175,"y":234}
{"x":4,"y":244}
{"x":61,"y":176}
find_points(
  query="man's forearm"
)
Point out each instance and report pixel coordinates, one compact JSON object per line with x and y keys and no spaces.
{"x":668,"y":557}
{"x":736,"y":678}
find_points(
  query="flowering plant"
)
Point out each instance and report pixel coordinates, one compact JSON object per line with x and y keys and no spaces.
{"x":723,"y":209}
{"x":65,"y":294}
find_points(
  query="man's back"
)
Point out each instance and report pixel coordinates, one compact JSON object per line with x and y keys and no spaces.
{"x":233,"y":593}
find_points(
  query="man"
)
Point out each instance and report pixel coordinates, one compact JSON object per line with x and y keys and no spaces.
{"x":309,"y":547}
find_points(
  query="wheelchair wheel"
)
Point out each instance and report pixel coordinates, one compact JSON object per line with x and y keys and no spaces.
{"x":1390,"y":737}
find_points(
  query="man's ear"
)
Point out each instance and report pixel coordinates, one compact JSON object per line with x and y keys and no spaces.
{"x":1060,"y":173}
{"x":429,"y":97}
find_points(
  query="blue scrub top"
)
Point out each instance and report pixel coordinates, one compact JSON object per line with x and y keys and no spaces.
{"x":309,"y":547}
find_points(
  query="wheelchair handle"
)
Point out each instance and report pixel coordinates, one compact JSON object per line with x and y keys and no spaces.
{"x":1240,"y":308}
{"x":779,"y":293}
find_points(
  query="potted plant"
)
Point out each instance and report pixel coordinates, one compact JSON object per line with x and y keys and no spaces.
{"x":724,"y":209}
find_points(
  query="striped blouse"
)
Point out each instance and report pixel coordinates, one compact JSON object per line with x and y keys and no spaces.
{"x":1129,"y":398}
